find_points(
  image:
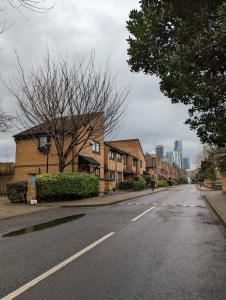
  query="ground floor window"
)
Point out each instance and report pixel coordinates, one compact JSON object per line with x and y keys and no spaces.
{"x":96,"y":172}
{"x":112,"y":175}
{"x":119,"y":176}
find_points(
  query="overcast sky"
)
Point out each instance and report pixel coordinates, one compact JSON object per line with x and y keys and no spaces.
{"x":75,"y":28}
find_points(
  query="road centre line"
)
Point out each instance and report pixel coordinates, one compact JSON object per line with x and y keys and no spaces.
{"x":145,"y":212}
{"x":53,"y":270}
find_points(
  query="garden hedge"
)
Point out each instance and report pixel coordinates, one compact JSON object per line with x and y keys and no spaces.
{"x":126,"y":185}
{"x":137,"y":184}
{"x":161,"y":183}
{"x":17,"y":191}
{"x":66,"y":186}
{"x":148,"y":179}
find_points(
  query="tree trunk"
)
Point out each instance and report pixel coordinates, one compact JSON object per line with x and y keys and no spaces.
{"x":61,"y":165}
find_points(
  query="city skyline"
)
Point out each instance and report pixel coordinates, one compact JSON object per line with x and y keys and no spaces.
{"x":175,"y":156}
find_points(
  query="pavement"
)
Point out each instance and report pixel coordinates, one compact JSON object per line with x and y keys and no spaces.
{"x":160,"y":246}
{"x":217,"y":201}
{"x":8,"y":210}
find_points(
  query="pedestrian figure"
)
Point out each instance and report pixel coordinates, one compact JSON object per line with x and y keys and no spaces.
{"x":153,"y":184}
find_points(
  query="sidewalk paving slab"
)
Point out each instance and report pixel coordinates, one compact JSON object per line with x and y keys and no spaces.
{"x":217,"y":201}
{"x":8,"y":210}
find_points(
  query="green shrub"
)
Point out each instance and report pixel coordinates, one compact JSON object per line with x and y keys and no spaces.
{"x":17,"y":191}
{"x":161,"y":183}
{"x":139,"y":184}
{"x":183,"y":180}
{"x":125,"y":185}
{"x":148,"y":179}
{"x":66,"y":186}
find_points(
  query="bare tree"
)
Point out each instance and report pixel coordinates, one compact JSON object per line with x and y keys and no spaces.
{"x":5,"y":121}
{"x":37,"y":6}
{"x":73,"y":104}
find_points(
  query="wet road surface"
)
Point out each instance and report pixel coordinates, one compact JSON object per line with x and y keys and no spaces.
{"x":167,"y":245}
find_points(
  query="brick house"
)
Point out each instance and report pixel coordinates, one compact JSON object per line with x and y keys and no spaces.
{"x":159,"y":168}
{"x":112,"y":162}
{"x":135,"y":165}
{"x":32,"y":160}
{"x":119,"y":166}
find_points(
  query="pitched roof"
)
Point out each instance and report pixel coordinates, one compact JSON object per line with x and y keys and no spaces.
{"x":43,"y":128}
{"x":116,"y":149}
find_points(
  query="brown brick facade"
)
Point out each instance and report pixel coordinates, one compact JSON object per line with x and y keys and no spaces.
{"x":114,"y":164}
{"x":136,"y":159}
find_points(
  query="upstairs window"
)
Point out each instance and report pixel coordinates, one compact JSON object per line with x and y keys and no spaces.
{"x":134,"y":162}
{"x":141,"y":163}
{"x":96,"y":147}
{"x":111,"y":155}
{"x":119,"y":157}
{"x":125,"y":160}
{"x":43,"y":141}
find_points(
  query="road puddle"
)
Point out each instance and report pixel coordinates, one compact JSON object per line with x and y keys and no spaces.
{"x":43,"y":226}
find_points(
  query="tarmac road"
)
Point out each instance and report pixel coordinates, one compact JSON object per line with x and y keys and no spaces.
{"x":167,"y":245}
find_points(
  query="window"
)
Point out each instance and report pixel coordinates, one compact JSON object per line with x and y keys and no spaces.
{"x":134,"y":162}
{"x":141,"y":163}
{"x":96,"y":147}
{"x":111,"y":155}
{"x":119,"y":176}
{"x":125,"y":160}
{"x":97,"y":172}
{"x":43,"y":141}
{"x":112,"y":175}
{"x":119,"y":157}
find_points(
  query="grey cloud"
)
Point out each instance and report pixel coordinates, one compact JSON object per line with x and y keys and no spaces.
{"x":76,"y":28}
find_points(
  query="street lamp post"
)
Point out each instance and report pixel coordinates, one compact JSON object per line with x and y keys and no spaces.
{"x":47,"y":148}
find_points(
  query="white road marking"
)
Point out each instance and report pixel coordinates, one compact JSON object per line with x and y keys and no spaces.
{"x":36,"y":280}
{"x":145,"y":212}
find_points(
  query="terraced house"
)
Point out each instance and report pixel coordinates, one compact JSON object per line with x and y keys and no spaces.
{"x":135,"y":165}
{"x":112,"y":162}
{"x":36,"y":154}
{"x":121,"y":165}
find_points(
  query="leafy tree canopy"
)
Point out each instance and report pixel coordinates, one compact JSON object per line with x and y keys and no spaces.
{"x":207,"y":170}
{"x":184,"y":42}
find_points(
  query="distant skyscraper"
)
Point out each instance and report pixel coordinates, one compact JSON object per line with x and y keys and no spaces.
{"x":169,"y":157}
{"x":186,"y":163}
{"x":159,"y":150}
{"x":177,"y":159}
{"x":179,"y":148}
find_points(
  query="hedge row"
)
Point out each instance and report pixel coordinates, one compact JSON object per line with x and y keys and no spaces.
{"x":138,"y":184}
{"x":161,"y":183}
{"x":66,"y":186}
